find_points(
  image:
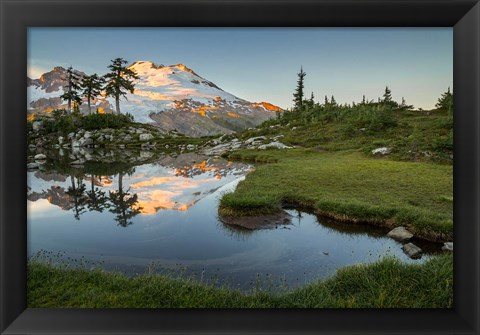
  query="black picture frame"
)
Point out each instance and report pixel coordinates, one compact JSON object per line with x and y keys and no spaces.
{"x":18,"y":15}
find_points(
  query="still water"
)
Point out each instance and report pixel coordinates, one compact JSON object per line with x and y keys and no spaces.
{"x":163,"y":216}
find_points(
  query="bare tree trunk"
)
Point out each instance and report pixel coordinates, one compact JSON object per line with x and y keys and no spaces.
{"x":120,"y":183}
{"x":117,"y":104}
{"x":69,"y":99}
{"x":89,"y":108}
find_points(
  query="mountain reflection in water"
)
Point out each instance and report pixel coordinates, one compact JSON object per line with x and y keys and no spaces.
{"x":172,"y":183}
{"x":164,"y":214}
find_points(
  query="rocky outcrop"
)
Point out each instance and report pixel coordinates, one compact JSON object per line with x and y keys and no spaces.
{"x":219,"y":146}
{"x":104,"y":145}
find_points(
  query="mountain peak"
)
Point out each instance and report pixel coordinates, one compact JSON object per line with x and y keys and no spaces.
{"x":183,"y":67}
{"x":145,"y":64}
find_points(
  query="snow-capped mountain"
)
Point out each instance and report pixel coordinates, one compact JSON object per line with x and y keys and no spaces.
{"x":170,"y":97}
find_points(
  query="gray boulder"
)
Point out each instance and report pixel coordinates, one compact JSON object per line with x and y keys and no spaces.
{"x":218,"y":149}
{"x":40,"y":157}
{"x":274,"y":145}
{"x":33,"y":166}
{"x":255,"y":139}
{"x":412,"y":251}
{"x":400,"y":234}
{"x":37,"y":126}
{"x":381,"y":151}
{"x":448,"y":246}
{"x":87,"y":141}
{"x":145,"y":137}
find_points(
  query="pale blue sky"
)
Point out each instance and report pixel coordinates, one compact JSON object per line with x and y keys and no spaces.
{"x":261,"y":64}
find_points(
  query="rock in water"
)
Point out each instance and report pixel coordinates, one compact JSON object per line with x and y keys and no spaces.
{"x":400,"y":234}
{"x":259,"y":221}
{"x":77,"y":162}
{"x":412,"y":251}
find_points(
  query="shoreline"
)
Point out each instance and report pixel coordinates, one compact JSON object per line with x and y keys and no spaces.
{"x":356,"y":286}
{"x":270,"y":200}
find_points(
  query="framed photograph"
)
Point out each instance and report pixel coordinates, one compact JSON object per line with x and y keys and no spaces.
{"x":240,"y":167}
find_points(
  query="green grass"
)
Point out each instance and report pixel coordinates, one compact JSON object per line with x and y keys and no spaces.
{"x":350,"y":187}
{"x":417,"y":136}
{"x":387,"y":283}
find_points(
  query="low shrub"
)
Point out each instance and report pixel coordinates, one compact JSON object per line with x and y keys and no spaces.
{"x":99,"y":121}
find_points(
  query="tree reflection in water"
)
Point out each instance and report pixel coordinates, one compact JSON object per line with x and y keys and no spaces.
{"x":120,"y":202}
{"x":124,"y":205}
{"x":77,"y":196}
{"x":96,"y":198}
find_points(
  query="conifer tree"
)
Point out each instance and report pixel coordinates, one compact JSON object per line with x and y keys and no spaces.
{"x":404,"y":105}
{"x":119,"y":81}
{"x":445,"y":102}
{"x":326,"y":103}
{"x":363,"y":100}
{"x":332,"y":101}
{"x":298,"y":95}
{"x":92,"y":86}
{"x":311,"y":101}
{"x":387,"y":96}
{"x":71,"y":89}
